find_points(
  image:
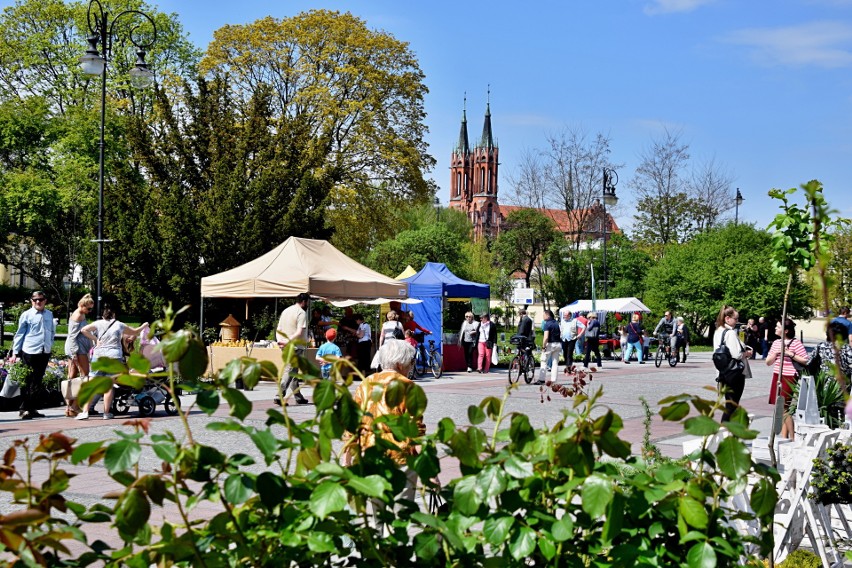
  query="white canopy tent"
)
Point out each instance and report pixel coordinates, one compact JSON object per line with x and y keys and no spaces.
{"x":615,"y":305}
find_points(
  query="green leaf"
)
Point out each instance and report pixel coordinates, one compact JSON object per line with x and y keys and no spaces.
{"x":701,"y":555}
{"x":207,"y":401}
{"x":764,"y":497}
{"x":175,"y":345}
{"x":395,"y":393}
{"x":496,"y":529}
{"x":741,"y":431}
{"x":324,"y":395}
{"x":83,"y":451}
{"x":426,"y":546}
{"x":492,"y":481}
{"x":122,"y":455}
{"x":193,"y":363}
{"x":674,"y":412}
{"x":132,"y":511}
{"x":109,"y":366}
{"x":475,"y":414}
{"x":166,"y":451}
{"x":251,"y":372}
{"x":321,"y":542}
{"x":523,"y":543}
{"x":596,"y":494}
{"x":733,"y":458}
{"x":240,"y":405}
{"x":371,"y":486}
{"x":517,"y":467}
{"x":267,"y":443}
{"x":547,"y":548}
{"x":231,"y":372}
{"x":693,"y":512}
{"x":701,"y":426}
{"x":329,"y":497}
{"x":492,"y":406}
{"x":563,"y":529}
{"x":467,"y":496}
{"x":415,"y":401}
{"x":135,"y":382}
{"x":95,"y":385}
{"x":138,"y":363}
{"x":238,"y":488}
{"x":271,"y":489}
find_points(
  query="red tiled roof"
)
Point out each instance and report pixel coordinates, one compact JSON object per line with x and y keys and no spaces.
{"x":568,"y":224}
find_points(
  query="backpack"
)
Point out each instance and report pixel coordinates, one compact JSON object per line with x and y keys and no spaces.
{"x":722,"y":355}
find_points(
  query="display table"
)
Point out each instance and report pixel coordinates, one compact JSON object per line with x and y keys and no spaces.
{"x":453,"y":357}
{"x":221,"y":356}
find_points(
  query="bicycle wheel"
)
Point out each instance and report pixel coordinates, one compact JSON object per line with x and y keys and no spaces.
{"x":437,"y":364}
{"x":419,"y":364}
{"x":673,"y":358}
{"x":658,"y":360}
{"x":529,"y":369}
{"x":515,"y":370}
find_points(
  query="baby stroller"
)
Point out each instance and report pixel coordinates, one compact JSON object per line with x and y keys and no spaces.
{"x":152,"y":393}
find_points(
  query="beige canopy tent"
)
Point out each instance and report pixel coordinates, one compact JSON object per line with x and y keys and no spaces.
{"x":303,"y":265}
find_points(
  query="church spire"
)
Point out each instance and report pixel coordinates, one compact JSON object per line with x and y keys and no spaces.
{"x":487,"y":140}
{"x":463,"y":147}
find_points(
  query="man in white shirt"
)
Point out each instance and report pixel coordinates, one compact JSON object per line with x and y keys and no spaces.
{"x":293,"y":326}
{"x":568,"y":329}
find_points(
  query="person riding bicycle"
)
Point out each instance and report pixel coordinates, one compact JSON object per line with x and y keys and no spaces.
{"x":665,"y":332}
{"x":417,"y":331}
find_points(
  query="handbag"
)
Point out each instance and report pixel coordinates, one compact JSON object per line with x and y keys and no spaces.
{"x":70,"y":388}
{"x":397,"y":332}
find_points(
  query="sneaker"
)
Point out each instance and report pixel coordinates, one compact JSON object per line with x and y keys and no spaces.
{"x":108,"y":416}
{"x":301,"y":400}
{"x":627,"y":362}
{"x":641,"y":362}
{"x":469,"y":369}
{"x":82,"y":416}
{"x":276,"y":400}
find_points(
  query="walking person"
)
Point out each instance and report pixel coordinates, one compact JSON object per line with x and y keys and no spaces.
{"x":293,"y":326}
{"x":634,"y":341}
{"x":32,"y":344}
{"x":486,"y":340}
{"x":681,"y":335}
{"x":365,"y":344}
{"x":593,"y":330}
{"x":763,"y":335}
{"x":731,"y":384}
{"x":551,"y":345}
{"x":107,"y":334}
{"x":568,"y":331}
{"x":793,"y":351}
{"x":77,"y":347}
{"x":468,"y":338}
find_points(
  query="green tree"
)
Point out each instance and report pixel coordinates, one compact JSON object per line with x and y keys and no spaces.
{"x":729,"y":265}
{"x":525,"y":238}
{"x":840,"y":267}
{"x":434,"y":243}
{"x":357,"y":93}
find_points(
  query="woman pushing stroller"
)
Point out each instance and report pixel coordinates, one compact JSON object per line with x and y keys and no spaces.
{"x":107,"y":334}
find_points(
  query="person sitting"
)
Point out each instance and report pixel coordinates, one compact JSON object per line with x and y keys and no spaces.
{"x":329,"y":348}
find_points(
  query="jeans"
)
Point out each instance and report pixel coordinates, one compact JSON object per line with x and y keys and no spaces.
{"x":631,"y":347}
{"x":32,"y":388}
{"x":592,"y":347}
{"x":550,"y":358}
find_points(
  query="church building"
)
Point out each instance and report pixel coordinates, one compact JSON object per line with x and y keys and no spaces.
{"x":474,"y":191}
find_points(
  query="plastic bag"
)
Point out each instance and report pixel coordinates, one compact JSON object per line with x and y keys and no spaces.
{"x":494,"y":357}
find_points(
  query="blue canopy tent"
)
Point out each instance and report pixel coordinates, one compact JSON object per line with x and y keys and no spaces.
{"x":433,"y":285}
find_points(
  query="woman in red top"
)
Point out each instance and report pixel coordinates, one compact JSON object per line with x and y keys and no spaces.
{"x":793,"y":351}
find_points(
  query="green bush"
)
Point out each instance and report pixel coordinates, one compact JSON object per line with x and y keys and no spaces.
{"x":801,"y":559}
{"x":569,"y":494}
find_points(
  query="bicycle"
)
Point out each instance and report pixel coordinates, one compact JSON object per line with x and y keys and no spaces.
{"x":664,"y":350}
{"x":522,"y":363}
{"x":430,"y":359}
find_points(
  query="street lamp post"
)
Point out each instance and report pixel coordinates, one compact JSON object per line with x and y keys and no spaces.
{"x":610,"y":180}
{"x":739,"y":201}
{"x":95,"y":63}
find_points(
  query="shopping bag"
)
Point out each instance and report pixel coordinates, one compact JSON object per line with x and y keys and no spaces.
{"x":494,"y":358}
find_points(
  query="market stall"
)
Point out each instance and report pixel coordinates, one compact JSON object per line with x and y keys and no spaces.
{"x":434,"y":285}
{"x":297,"y":265}
{"x":629,"y":305}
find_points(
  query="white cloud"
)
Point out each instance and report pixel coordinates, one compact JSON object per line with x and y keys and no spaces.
{"x":821,"y":44}
{"x":673,"y":6}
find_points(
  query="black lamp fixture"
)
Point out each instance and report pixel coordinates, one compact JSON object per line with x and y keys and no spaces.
{"x":94,"y":63}
{"x":739,"y":201}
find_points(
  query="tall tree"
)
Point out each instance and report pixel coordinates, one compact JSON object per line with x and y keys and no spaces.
{"x":357,"y":93}
{"x":711,"y":194}
{"x":524,"y":239}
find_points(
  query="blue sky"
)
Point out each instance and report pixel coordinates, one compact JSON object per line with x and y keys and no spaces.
{"x":762,"y":86}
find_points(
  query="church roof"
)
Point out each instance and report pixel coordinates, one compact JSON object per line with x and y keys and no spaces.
{"x":568,"y":223}
{"x":463,"y":146}
{"x":487,"y":140}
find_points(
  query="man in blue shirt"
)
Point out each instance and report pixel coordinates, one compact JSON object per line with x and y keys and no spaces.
{"x":32,"y":344}
{"x":843,"y":319}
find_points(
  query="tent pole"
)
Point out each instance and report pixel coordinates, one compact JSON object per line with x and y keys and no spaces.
{"x":246,"y":320}
{"x":201,"y":319}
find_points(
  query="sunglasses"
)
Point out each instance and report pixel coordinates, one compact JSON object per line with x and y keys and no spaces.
{"x":37,"y":299}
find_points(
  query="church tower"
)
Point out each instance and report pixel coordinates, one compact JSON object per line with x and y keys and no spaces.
{"x":473,"y":178}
